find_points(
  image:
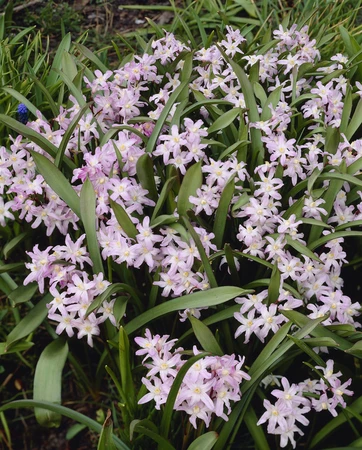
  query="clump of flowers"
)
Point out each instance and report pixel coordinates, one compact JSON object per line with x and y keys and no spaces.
{"x":207,"y":388}
{"x":294,"y":401}
{"x":266,"y":179}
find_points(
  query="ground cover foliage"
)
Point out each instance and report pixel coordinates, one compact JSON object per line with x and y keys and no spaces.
{"x":181,"y":233}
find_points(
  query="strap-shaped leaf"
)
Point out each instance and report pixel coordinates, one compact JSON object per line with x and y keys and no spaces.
{"x":30,"y":322}
{"x":191,"y":182}
{"x":67,"y":412}
{"x":48,"y":381}
{"x":57,"y":181}
{"x":124,"y":220}
{"x":201,"y":299}
{"x":88,"y":215}
{"x":205,"y":337}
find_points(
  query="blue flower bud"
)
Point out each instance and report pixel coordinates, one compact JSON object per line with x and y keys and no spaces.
{"x":23,"y":114}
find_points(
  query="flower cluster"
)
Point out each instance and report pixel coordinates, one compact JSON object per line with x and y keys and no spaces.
{"x":207,"y":388}
{"x":296,"y":400}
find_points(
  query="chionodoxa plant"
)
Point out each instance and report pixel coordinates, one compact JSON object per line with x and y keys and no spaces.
{"x":204,"y":197}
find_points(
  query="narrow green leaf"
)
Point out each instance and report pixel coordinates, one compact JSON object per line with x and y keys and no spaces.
{"x":89,"y":217}
{"x":91,"y":56}
{"x":204,"y":258}
{"x":17,"y":347}
{"x":48,"y":381}
{"x":336,"y":422}
{"x":29,"y":323}
{"x":319,"y":331}
{"x":22,"y":99}
{"x":205,"y":337}
{"x":301,"y":249}
{"x":341,"y":176}
{"x":111,"y":290}
{"x":225,"y":120}
{"x":330,"y":237}
{"x":4,"y":268}
{"x":204,"y":442}
{"x":67,"y":135}
{"x":146,"y":175}
{"x":23,"y":294}
{"x":306,"y":349}
{"x":200,"y":299}
{"x":163,"y":443}
{"x":123,"y":219}
{"x":356,"y":350}
{"x":222,"y":212}
{"x":57,"y":62}
{"x":164,"y":114}
{"x":256,"y":143}
{"x":274,"y":286}
{"x":355,"y":121}
{"x":191,"y":182}
{"x":125,"y":369}
{"x":67,"y":412}
{"x":162,"y":198}
{"x":164,"y":219}
{"x":256,"y":431}
{"x":106,"y":438}
{"x":10,"y":246}
{"x":57,"y":181}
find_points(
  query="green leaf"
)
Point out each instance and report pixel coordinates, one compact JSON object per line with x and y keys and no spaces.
{"x":48,"y":381}
{"x":201,"y":299}
{"x":319,"y":331}
{"x":204,"y":442}
{"x":67,"y":135}
{"x":341,"y":176}
{"x":204,"y":258}
{"x":355,"y":121}
{"x":164,"y":219}
{"x":356,"y":350}
{"x":137,"y":427}
{"x":274,"y":286}
{"x":112,"y":289}
{"x":222,"y":212}
{"x":106,"y":438}
{"x":123,"y":219}
{"x":23,"y":294}
{"x":57,"y":62}
{"x":10,"y":246}
{"x":301,"y":249}
{"x":17,"y":347}
{"x":246,"y":87}
{"x":306,"y":349}
{"x":57,"y":181}
{"x":205,"y":337}
{"x":21,"y":99}
{"x":4,"y":268}
{"x":164,"y":114}
{"x":29,"y":323}
{"x":162,"y":198}
{"x":89,"y":217}
{"x":33,"y":136}
{"x":333,"y":425}
{"x":191,"y":182}
{"x":256,"y":431}
{"x":146,"y":175}
{"x":330,"y":237}
{"x":67,"y":412}
{"x":225,"y":120}
{"x":91,"y":56}
{"x":125,"y":369}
